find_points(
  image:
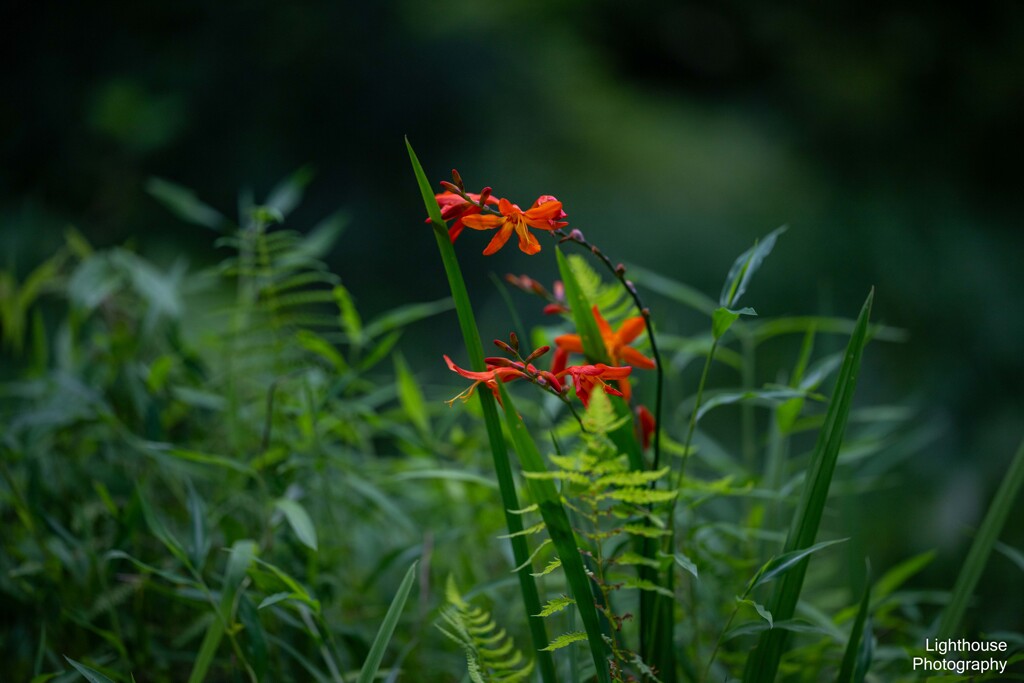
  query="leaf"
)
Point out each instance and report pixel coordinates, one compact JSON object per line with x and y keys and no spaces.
{"x":299,"y":521}
{"x":757,"y":396}
{"x":406,"y":315}
{"x":676,"y":291}
{"x":686,"y":563}
{"x":551,"y":566}
{"x":556,"y":605}
{"x":723,"y":318}
{"x":183,"y":203}
{"x":744,"y":267}
{"x":287,"y":194}
{"x":241,"y":556}
{"x":988,"y":533}
{"x":778,"y":566}
{"x":560,"y":530}
{"x":1012,"y":554}
{"x":565,"y":640}
{"x":760,"y":609}
{"x":410,"y":396}
{"x":857,"y":656}
{"x":763,"y":663}
{"x":387,"y":628}
{"x":348,"y":315}
{"x":200,"y":535}
{"x":90,"y":674}
{"x":582,"y":314}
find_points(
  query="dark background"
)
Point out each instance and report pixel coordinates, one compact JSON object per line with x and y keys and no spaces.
{"x":886,"y":137}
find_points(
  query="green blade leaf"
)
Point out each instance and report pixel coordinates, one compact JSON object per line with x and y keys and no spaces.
{"x":90,"y":674}
{"x":778,"y":566}
{"x":183,"y":203}
{"x":582,"y":314}
{"x":977,"y":556}
{"x":744,"y":267}
{"x":856,"y":659}
{"x":560,"y":530}
{"x":387,"y":627}
{"x":299,"y":520}
{"x":763,"y":663}
{"x":499,"y":452}
{"x":242,"y":554}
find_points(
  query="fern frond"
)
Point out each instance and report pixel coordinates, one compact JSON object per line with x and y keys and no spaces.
{"x":565,"y":640}
{"x":491,"y":655}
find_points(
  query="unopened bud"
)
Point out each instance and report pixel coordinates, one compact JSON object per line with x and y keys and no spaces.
{"x":513,"y":341}
{"x":457,"y":179}
{"x":498,"y":361}
{"x":538,"y":353}
{"x":450,"y":187}
{"x":577,"y":235}
{"x":620,"y":270}
{"x":505,"y":347}
{"x":485,"y":194}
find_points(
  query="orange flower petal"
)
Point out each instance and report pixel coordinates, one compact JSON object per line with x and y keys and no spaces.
{"x":528,"y":244}
{"x":483,"y":222}
{"x":469,"y":374}
{"x":569,"y":342}
{"x":603,"y":326}
{"x":631,"y":329}
{"x":635,"y":358}
{"x":499,"y":239}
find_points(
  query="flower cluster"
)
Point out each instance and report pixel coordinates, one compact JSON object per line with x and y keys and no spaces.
{"x":482,"y":211}
{"x":476,"y":211}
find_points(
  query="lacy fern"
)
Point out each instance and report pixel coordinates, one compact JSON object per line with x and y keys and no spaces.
{"x":491,"y":654}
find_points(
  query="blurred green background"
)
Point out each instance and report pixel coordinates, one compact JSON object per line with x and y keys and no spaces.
{"x":674,"y":133}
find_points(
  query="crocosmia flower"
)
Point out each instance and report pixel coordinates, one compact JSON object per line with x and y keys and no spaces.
{"x":453,"y":206}
{"x":616,"y":344}
{"x":586,"y":378}
{"x":501,"y":370}
{"x":543,"y":215}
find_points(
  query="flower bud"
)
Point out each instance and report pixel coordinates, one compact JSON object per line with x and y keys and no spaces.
{"x":457,"y":179}
{"x":505,"y":347}
{"x":513,"y":341}
{"x":538,"y":353}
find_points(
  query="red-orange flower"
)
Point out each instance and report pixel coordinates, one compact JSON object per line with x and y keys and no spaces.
{"x":616,"y":344}
{"x":504,"y":370}
{"x":543,"y":215}
{"x":586,"y":378}
{"x":453,"y":206}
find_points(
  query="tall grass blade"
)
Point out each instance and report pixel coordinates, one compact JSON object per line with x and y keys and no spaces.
{"x":764,"y":661}
{"x":242,"y":555}
{"x":560,"y":530}
{"x":91,"y":674}
{"x":856,"y":659}
{"x":977,"y":556}
{"x":387,"y":627}
{"x":499,"y":452}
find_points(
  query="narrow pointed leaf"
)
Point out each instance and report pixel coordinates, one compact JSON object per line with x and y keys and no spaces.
{"x":560,"y":530}
{"x":977,"y":556}
{"x":763,"y":663}
{"x":499,"y":452}
{"x":387,"y":628}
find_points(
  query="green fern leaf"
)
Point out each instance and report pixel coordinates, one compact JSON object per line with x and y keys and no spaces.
{"x":565,"y":640}
{"x":556,"y":605}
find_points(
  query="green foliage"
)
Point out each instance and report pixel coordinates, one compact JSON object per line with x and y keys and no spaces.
{"x":491,"y":654}
{"x":191,"y":462}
